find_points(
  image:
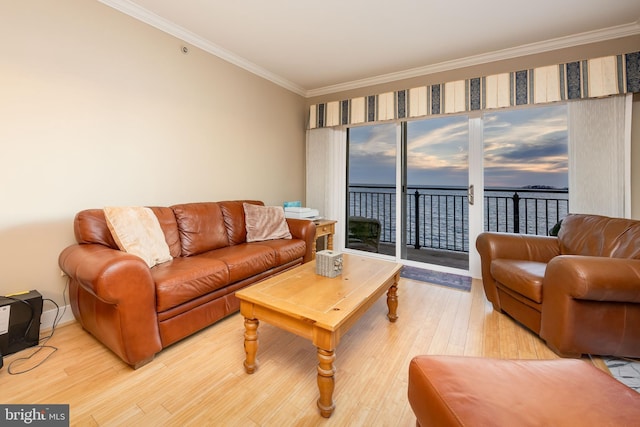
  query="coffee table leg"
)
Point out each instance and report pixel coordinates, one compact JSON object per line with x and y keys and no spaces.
{"x":326,"y":382}
{"x":392,"y":303}
{"x":250,"y":344}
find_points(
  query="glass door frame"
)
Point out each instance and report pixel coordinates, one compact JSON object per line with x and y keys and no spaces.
{"x":475,"y":179}
{"x":475,"y":185}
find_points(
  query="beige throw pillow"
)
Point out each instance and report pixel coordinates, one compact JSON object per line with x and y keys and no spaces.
{"x":265,"y":223}
{"x":137,"y":231}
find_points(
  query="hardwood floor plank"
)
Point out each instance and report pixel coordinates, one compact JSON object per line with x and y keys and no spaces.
{"x":440,"y":341}
{"x":474,"y":343}
{"x":201,"y":380}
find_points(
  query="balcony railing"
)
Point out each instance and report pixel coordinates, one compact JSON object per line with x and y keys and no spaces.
{"x":438,"y":217}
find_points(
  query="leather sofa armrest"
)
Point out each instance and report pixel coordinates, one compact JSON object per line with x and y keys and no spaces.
{"x":98,"y":269}
{"x":113,"y":296}
{"x":305,"y":230}
{"x":493,"y":245}
{"x":594,"y":278}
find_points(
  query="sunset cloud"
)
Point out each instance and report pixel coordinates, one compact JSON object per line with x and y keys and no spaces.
{"x":521,"y":147}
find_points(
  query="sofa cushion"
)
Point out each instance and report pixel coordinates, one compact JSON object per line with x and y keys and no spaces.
{"x":184,"y":279}
{"x":137,"y":231}
{"x":233,"y":212}
{"x":201,"y":227}
{"x":167,"y":221}
{"x":595,"y":235}
{"x":244,"y":260}
{"x":265,"y":223}
{"x":90,"y":226}
{"x":286,"y":250}
{"x":523,"y":277}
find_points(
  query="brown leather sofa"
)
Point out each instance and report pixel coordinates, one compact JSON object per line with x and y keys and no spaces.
{"x":579,"y":291}
{"x":136,"y":311}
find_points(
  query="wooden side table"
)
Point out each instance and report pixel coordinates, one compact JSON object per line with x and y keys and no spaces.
{"x":324,"y":227}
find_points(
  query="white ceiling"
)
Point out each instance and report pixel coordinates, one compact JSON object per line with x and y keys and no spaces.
{"x":319,"y":47}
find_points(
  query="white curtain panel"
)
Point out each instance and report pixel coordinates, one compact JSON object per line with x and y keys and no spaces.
{"x":326,"y":176}
{"x":599,"y":153}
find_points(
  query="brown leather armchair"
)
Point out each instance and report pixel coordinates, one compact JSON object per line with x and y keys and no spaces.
{"x":579,"y":291}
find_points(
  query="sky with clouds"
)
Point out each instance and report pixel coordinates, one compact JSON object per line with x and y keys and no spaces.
{"x":522,"y":147}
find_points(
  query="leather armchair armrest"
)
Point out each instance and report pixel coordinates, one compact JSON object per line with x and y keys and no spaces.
{"x":492,"y":245}
{"x":589,"y":305}
{"x":594,"y":278}
{"x":517,"y":246}
{"x":305,"y":230}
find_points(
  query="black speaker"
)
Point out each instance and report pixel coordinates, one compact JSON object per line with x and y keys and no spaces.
{"x":19,"y":321}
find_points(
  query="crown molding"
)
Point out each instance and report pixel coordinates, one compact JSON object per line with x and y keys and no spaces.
{"x":141,"y":14}
{"x":129,"y":8}
{"x":527,"y":49}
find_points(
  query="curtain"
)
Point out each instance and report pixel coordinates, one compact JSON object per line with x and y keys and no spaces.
{"x":599,"y":156}
{"x":590,"y":78}
{"x":326,"y":177}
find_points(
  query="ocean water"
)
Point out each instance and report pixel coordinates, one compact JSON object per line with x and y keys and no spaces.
{"x":437,"y":217}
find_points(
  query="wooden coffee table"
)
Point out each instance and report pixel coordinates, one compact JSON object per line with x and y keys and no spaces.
{"x":318,"y":308}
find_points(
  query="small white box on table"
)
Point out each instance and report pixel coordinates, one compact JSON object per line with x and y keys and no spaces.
{"x":328,"y":263}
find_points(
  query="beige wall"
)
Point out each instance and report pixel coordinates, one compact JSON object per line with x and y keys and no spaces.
{"x":99,"y":109}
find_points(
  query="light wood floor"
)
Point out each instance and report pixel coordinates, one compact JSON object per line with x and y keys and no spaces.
{"x":200,"y":381}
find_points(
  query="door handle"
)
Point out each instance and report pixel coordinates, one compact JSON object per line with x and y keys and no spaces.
{"x":470,"y":194}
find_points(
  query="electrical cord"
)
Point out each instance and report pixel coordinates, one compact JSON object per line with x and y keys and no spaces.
{"x":44,"y":340}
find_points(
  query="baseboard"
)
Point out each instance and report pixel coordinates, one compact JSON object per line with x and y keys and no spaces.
{"x":49,"y":316}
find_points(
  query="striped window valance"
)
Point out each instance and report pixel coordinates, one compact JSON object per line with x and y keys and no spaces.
{"x":590,"y":78}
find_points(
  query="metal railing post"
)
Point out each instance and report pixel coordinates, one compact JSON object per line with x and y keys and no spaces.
{"x":416,"y":209}
{"x":516,"y":213}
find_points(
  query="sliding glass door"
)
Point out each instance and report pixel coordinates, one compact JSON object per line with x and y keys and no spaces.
{"x":422,"y":190}
{"x":436,"y":186}
{"x":526,"y":165}
{"x":371,"y":189}
{"x":423,"y":165}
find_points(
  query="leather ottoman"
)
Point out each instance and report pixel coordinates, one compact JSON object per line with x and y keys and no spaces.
{"x":473,"y":391}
